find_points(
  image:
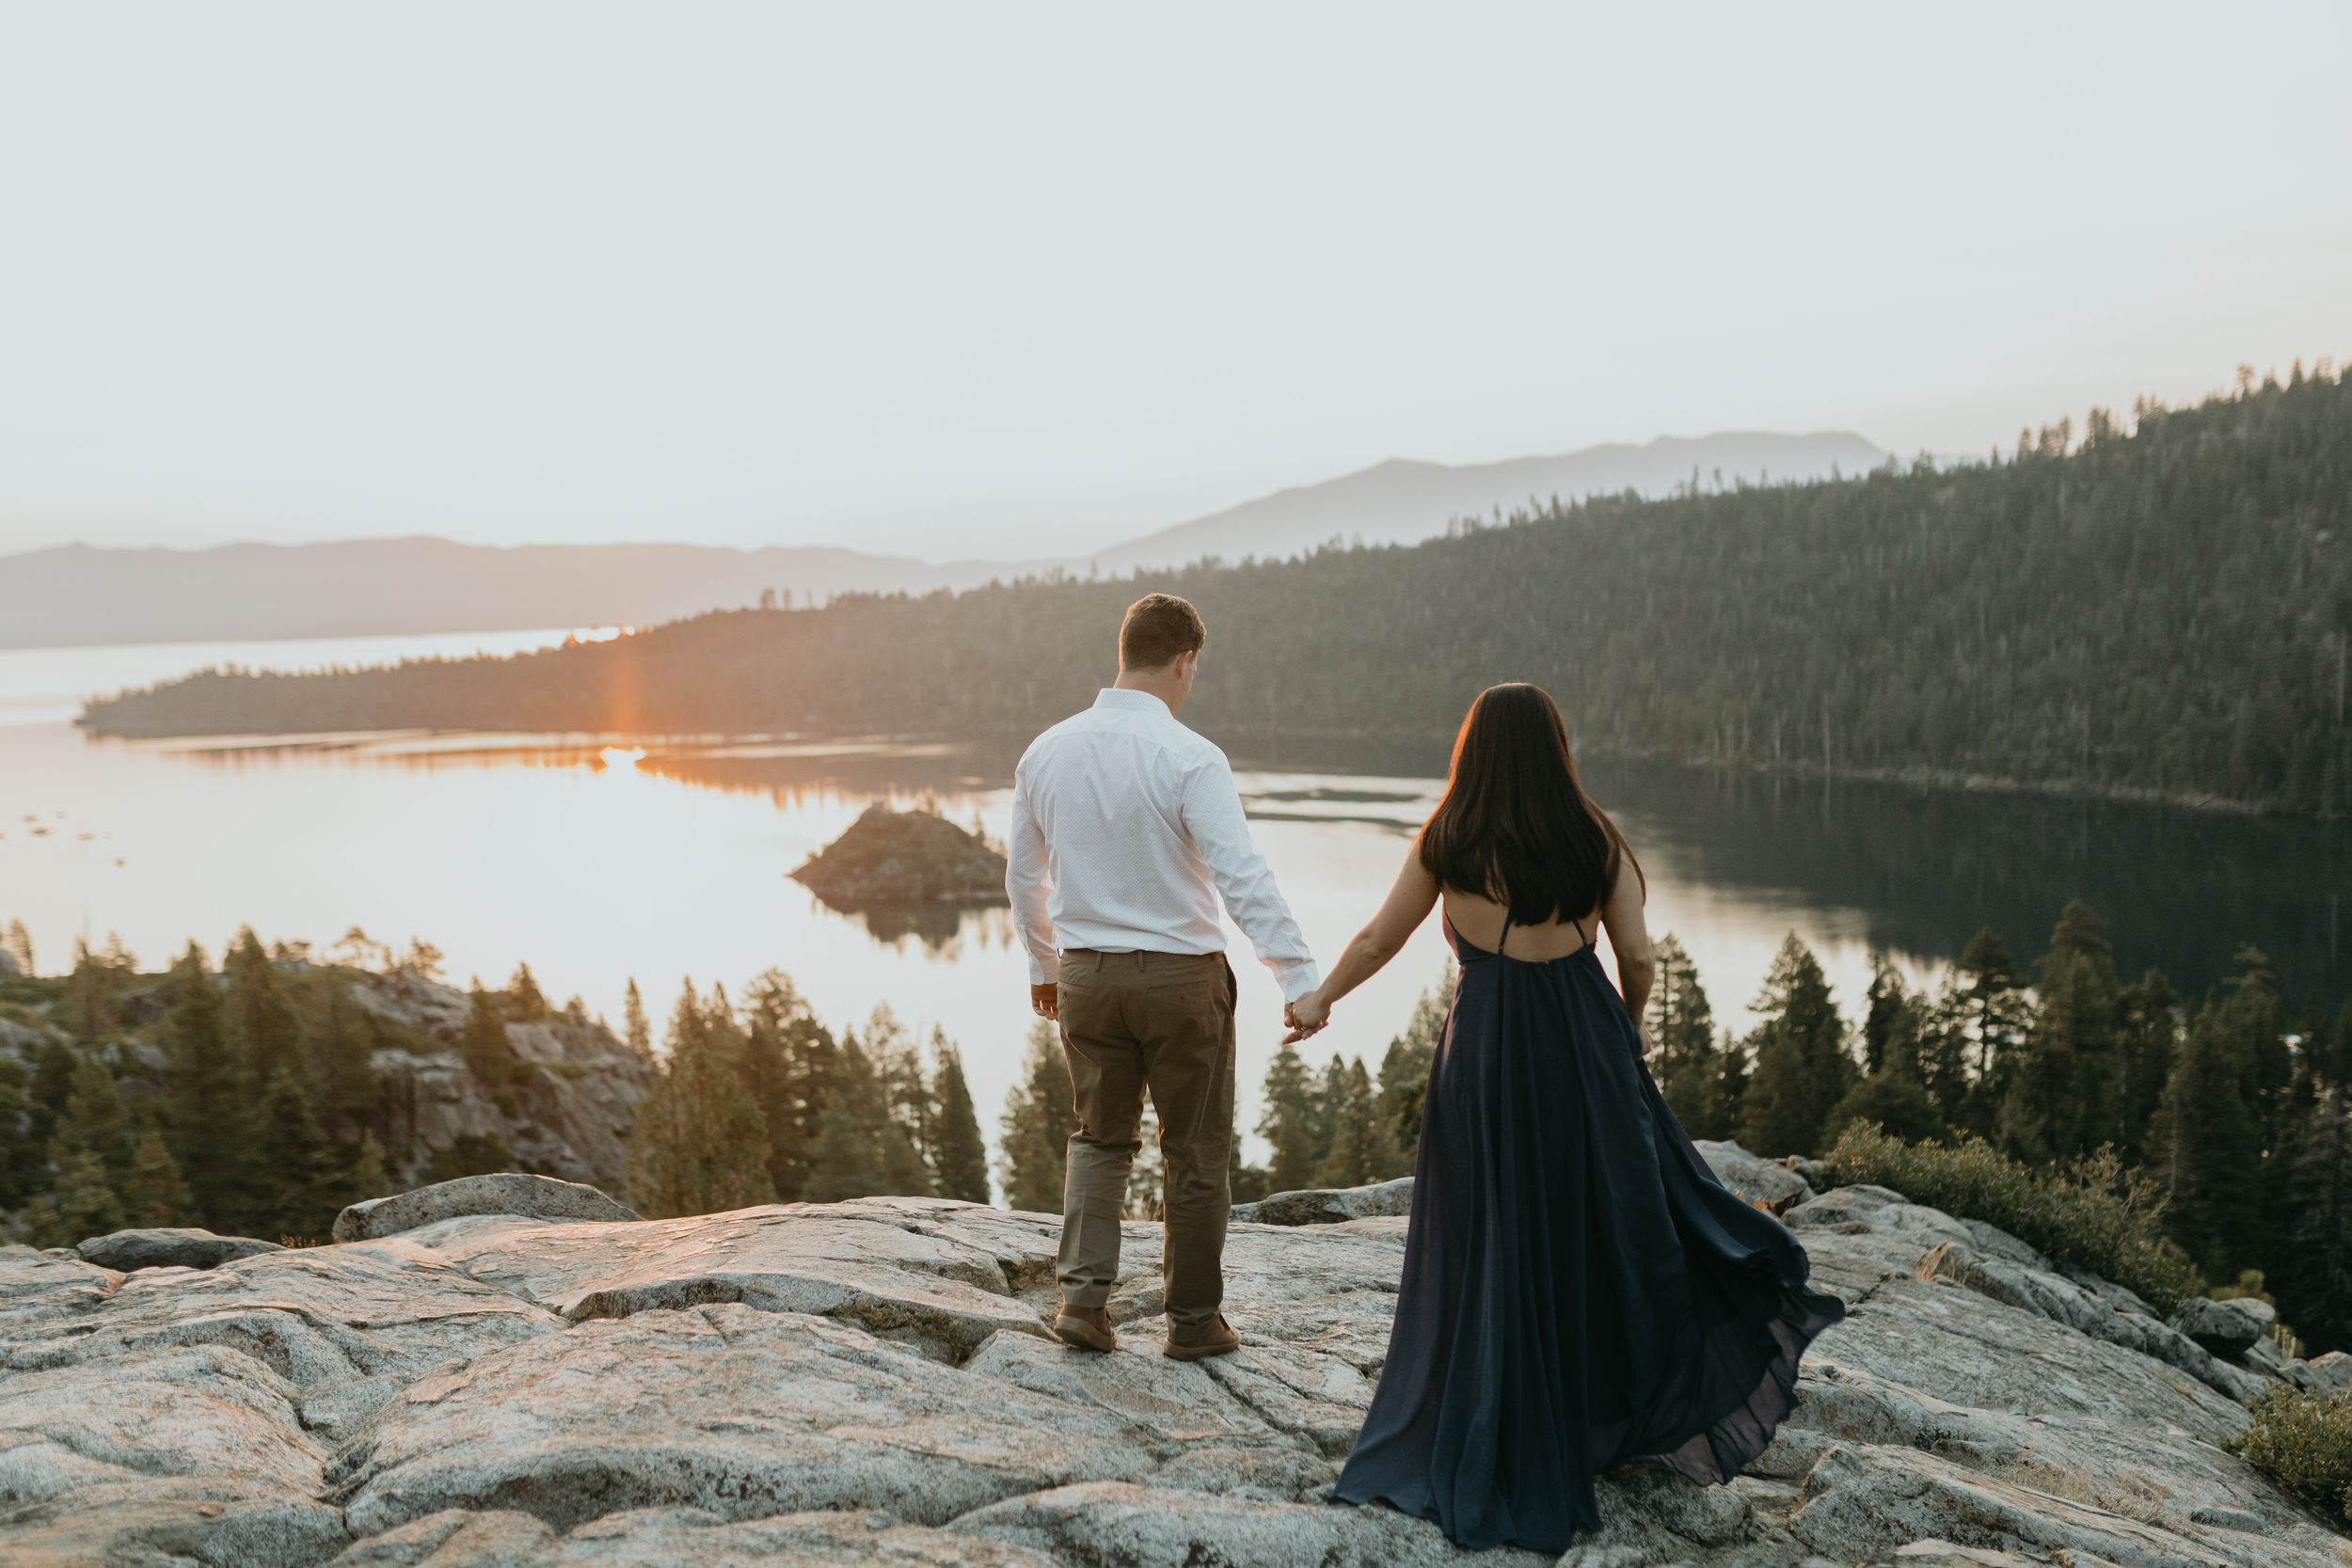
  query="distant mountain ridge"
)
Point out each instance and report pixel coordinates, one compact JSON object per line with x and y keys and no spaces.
{"x":76,"y":595}
{"x":1402,"y":501}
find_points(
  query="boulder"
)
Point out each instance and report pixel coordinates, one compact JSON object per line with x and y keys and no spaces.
{"x":1766,"y":1183}
{"x":2330,"y":1373}
{"x":126,"y":1250}
{"x":2225,"y":1328}
{"x":1322,"y":1206}
{"x":541,"y":1197}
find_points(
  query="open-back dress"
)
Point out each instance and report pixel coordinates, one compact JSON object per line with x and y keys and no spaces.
{"x":1579,"y":1291}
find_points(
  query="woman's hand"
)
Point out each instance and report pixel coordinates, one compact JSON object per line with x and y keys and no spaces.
{"x":1642,"y":1032}
{"x":1306,"y":1016}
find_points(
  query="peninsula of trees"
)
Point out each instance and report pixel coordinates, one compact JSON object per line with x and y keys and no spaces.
{"x":2164,"y":610}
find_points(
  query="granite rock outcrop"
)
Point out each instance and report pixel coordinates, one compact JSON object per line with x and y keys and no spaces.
{"x":872,"y":1382}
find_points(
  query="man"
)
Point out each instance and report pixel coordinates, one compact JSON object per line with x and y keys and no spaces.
{"x":1126,"y":828}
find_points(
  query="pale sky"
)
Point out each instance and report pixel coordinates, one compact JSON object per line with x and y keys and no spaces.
{"x":1012,"y":280}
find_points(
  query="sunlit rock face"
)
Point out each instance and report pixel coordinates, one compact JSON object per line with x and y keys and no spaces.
{"x":569,"y":1114}
{"x":874,"y":1383}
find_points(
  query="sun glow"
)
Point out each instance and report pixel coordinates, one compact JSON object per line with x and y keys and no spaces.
{"x":597,"y":634}
{"x":622,"y":756}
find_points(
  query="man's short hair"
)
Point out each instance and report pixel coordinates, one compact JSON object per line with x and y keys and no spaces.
{"x":1159,"y":627}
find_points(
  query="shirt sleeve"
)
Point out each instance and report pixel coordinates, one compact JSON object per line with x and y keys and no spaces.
{"x":1213,"y":815}
{"x":1026,"y":884}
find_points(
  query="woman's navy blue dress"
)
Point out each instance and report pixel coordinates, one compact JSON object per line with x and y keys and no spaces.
{"x":1579,"y":1291}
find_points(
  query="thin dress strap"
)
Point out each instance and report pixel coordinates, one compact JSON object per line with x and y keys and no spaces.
{"x":1507,"y":934}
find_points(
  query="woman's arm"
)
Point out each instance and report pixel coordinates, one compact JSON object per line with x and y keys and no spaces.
{"x":1408,"y":904}
{"x":1628,"y":938}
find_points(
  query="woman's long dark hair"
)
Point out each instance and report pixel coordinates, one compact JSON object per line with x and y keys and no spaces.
{"x":1515,"y":825}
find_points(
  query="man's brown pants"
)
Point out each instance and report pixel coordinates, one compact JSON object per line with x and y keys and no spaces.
{"x":1162,"y":1022}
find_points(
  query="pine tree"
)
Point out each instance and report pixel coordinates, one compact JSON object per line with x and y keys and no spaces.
{"x":88,"y":1006}
{"x":790,"y":1058}
{"x":83,"y":1203}
{"x":22,"y":1163}
{"x":155,"y":1194}
{"x":342,"y":1057}
{"x":1034,"y":1135}
{"x":263,"y":1014}
{"x":958,"y":1155}
{"x":300,"y":1162}
{"x":1802,"y":1067}
{"x":20,"y":948}
{"x":1683,"y":1058}
{"x":1405,"y":1068}
{"x":524,"y":1002}
{"x":635,"y":1030}
{"x":1886,"y":1002}
{"x":2148,"y":1039}
{"x":2340,"y":1056}
{"x":1991,"y":1014}
{"x":1361,"y":1151}
{"x":211,"y":1123}
{"x":701,"y":1144}
{"x":96,"y":1122}
{"x":851,"y":1157}
{"x":1288,"y":1123}
{"x":906,"y":1133}
{"x":2065,"y":1081}
{"x":2205,"y":1145}
{"x":489,"y":1055}
{"x":366,"y":1178}
{"x":2313,"y":1277}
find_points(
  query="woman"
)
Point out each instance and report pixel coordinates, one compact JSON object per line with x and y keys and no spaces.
{"x":1579,"y":1291}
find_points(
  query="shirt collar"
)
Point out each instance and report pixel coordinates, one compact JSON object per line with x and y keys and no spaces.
{"x":1121,"y":696}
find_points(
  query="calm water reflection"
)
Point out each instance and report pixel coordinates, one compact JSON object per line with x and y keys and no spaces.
{"x":597,"y":860}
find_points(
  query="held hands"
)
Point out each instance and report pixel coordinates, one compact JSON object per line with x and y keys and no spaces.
{"x":1307,"y":1016}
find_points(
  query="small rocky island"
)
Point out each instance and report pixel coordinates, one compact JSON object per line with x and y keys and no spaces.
{"x":897,"y":858}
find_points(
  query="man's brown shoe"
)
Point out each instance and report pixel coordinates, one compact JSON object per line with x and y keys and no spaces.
{"x":1219,"y":1339}
{"x":1088,"y":1327}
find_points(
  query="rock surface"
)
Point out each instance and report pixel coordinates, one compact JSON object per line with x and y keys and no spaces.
{"x":126,"y":1250}
{"x":872,"y":1382}
{"x":1329,"y":1206}
{"x":1770,"y":1183}
{"x":538,"y":1197}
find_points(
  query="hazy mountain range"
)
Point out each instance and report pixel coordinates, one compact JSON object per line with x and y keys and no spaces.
{"x":77,"y":595}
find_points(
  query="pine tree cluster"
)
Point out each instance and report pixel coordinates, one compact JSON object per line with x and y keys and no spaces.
{"x":761,"y":1104}
{"x":2241,"y":1117}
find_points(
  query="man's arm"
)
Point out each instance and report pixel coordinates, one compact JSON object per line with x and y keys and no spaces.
{"x":1026,"y":885}
{"x":1213,"y":816}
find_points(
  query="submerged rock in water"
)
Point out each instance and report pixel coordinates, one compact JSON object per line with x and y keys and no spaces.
{"x":872,"y":1382}
{"x":904,"y":856}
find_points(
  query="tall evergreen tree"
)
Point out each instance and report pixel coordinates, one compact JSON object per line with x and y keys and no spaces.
{"x":958,"y":1154}
{"x":2062,"y":1093}
{"x":1885,"y":1004}
{"x":2312,"y":1275}
{"x":1803,"y":1068}
{"x":906,"y":1090}
{"x":1993,"y":1014}
{"x":88,"y":1007}
{"x":20,"y":948}
{"x":2205,"y":1145}
{"x":1034,"y":1135}
{"x":211,"y":1124}
{"x":1684,"y":1059}
{"x":155,"y":1194}
{"x":634,"y":1029}
{"x":525,"y":1002}
{"x":852,"y":1156}
{"x":1288,"y":1122}
{"x":701,"y":1144}
{"x":263,"y":1014}
{"x":299,"y":1160}
{"x":1405,"y":1068}
{"x":1361,"y":1151}
{"x":2148,"y":1040}
{"x":343,"y":1059}
{"x":789,"y":1059}
{"x":489,"y":1055}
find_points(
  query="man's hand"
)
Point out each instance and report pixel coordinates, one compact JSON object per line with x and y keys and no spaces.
{"x":1307,"y":1016}
{"x":1045,"y":1000}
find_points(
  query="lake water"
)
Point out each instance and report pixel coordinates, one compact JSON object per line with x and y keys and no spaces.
{"x":597,"y":860}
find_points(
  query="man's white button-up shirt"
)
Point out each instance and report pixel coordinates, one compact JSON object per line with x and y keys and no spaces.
{"x":1126,"y":827}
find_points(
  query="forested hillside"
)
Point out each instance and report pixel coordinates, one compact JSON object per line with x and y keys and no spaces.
{"x":2166,"y":611}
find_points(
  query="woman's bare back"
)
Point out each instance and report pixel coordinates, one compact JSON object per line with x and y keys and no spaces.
{"x":1480,"y":923}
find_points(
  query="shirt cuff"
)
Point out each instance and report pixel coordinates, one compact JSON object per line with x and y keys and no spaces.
{"x":1038,"y":967}
{"x":1297,"y":978}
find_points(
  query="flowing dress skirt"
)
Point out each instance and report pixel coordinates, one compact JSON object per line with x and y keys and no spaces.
{"x":1579,"y":1291}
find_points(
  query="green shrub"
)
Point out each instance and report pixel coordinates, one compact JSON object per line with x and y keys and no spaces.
{"x":2304,"y":1443}
{"x":2090,"y":1212}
